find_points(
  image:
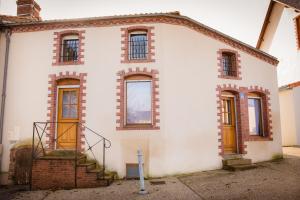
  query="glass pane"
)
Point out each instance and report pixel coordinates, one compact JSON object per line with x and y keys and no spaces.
{"x":73,"y":111}
{"x":138,"y":46}
{"x":65,"y":111}
{"x":66,"y":97}
{"x":226,"y":112}
{"x":255,"y":118}
{"x":73,"y":97}
{"x":139,"y":102}
{"x":70,"y":49}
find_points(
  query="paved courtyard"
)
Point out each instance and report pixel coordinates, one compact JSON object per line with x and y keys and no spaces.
{"x":271,"y":180}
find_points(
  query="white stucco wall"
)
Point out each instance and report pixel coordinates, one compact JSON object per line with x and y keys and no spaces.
{"x":290,"y":113}
{"x":284,"y":47}
{"x":187,"y":63}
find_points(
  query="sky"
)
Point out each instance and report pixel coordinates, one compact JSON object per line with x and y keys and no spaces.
{"x":241,"y":19}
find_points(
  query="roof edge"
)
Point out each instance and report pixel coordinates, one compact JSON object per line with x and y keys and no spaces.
{"x":289,"y":86}
{"x":168,"y":18}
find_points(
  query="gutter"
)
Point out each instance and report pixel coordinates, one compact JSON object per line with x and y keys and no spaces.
{"x":3,"y":96}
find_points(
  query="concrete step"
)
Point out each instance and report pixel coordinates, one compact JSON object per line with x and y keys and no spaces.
{"x":89,"y":165}
{"x":232,"y":156}
{"x":239,"y":167}
{"x":239,"y":161}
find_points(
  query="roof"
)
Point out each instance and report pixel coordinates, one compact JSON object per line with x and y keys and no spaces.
{"x":7,"y":19}
{"x":168,"y":18}
{"x":295,"y":4}
{"x":290,"y":86}
{"x":291,"y":3}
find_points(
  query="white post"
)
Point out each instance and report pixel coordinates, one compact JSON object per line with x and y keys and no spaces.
{"x":141,"y":172}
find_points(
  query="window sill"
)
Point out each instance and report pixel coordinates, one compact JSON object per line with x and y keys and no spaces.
{"x":229,"y":77}
{"x":68,"y":63}
{"x":138,"y":61}
{"x":258,"y":138}
{"x":138,"y":127}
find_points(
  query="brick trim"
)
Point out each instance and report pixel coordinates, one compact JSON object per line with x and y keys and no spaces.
{"x":237,"y":64}
{"x":52,"y":105}
{"x":243,"y":135}
{"x":297,"y":31}
{"x":162,"y":18}
{"x":125,"y":32}
{"x":120,"y":114}
{"x":57,"y":42}
{"x":267,"y":114}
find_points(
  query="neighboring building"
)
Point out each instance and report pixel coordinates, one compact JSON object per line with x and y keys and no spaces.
{"x":184,"y":93}
{"x":280,"y":36}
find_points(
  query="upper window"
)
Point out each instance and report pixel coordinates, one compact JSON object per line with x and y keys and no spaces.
{"x":228,"y":64}
{"x":297,"y":21}
{"x":255,"y":114}
{"x":138,"y":100}
{"x":69,"y":48}
{"x":138,"y":45}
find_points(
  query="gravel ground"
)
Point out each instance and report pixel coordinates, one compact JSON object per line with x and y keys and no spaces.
{"x":271,"y":180}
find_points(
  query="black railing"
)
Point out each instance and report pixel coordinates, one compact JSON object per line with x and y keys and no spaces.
{"x":138,"y":49}
{"x":69,"y":50}
{"x":48,"y":136}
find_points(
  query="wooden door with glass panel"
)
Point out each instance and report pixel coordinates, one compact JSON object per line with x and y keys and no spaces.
{"x":68,"y":103}
{"x":229,"y":125}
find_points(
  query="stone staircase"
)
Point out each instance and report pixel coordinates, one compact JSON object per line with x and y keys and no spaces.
{"x":236,"y":162}
{"x":57,"y":171}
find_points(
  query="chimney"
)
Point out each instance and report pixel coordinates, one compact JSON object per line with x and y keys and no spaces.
{"x":28,"y":8}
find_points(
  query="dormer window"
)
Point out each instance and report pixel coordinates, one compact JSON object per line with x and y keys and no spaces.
{"x":138,"y":45}
{"x":228,"y":63}
{"x":69,"y":48}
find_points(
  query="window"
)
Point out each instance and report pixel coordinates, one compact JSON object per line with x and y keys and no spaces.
{"x":69,"y":48}
{"x":255,"y":115}
{"x":138,"y":100}
{"x":137,"y":44}
{"x":226,"y":111}
{"x":228,"y":64}
{"x":138,"y":47}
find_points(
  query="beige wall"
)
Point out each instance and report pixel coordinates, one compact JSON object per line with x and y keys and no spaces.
{"x":290,"y":113}
{"x":187,"y":63}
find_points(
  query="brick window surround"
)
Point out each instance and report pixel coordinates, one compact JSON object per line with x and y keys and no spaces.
{"x":52,"y":104}
{"x":297,"y":30}
{"x":243,"y":135}
{"x":236,"y":63}
{"x":58,"y":37}
{"x":125,"y":33}
{"x":120,"y":115}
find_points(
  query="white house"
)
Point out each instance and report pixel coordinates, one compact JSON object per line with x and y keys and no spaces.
{"x":280,"y":36}
{"x":184,"y":93}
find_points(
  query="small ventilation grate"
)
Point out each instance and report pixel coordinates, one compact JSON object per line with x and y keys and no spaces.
{"x":157,"y":182}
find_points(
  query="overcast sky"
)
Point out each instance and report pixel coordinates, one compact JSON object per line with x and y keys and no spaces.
{"x":241,"y":19}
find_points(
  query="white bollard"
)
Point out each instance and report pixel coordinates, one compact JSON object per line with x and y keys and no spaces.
{"x":141,"y":172}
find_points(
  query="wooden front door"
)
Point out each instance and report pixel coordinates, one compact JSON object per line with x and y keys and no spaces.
{"x":229,"y":125}
{"x":68,"y":104}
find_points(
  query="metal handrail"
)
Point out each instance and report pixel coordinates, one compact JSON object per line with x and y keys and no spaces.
{"x":40,"y":129}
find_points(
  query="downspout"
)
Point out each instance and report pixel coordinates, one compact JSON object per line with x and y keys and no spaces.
{"x":3,"y":96}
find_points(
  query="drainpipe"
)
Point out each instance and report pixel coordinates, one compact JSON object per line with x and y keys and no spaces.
{"x":7,"y":37}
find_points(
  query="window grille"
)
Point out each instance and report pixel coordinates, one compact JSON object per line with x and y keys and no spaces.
{"x":228,"y":62}
{"x":138,"y":46}
{"x":69,"y":50}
